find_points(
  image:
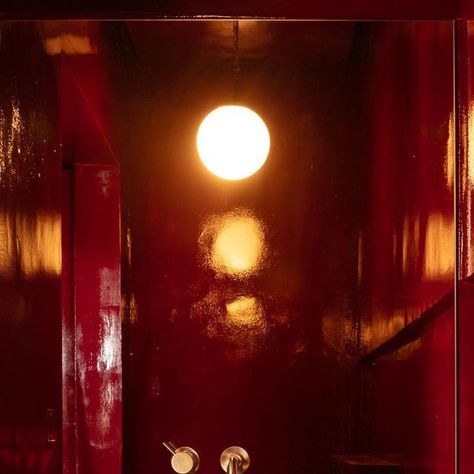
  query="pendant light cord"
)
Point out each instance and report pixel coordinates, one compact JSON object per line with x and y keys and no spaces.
{"x":236,"y":66}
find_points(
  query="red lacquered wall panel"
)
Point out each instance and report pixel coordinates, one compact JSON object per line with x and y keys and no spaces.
{"x":30,"y":257}
{"x":212,"y":356}
{"x":411,"y":225}
{"x":410,"y":249}
{"x":347,"y":233}
{"x":354,"y":210}
{"x":465,"y":293}
{"x":410,"y":405}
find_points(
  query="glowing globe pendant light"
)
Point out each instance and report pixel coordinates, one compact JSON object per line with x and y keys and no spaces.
{"x":233,"y":142}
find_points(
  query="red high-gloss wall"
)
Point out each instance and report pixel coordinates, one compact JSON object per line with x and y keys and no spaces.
{"x":357,"y":246}
{"x":273,"y":379}
{"x":92,"y":388}
{"x":410,"y":402}
{"x":465,"y":290}
{"x":52,"y":113}
{"x":410,"y":236}
{"x":356,"y":202}
{"x":92,"y":370}
{"x":30,"y":257}
{"x":409,"y":247}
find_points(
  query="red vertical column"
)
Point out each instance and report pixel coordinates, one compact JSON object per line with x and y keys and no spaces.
{"x":98,"y":325}
{"x":92,"y":366}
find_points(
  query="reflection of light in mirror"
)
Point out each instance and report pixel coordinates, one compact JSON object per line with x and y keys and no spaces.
{"x":466,"y":177}
{"x":233,"y":142}
{"x":234,"y":243}
{"x":66,"y":37}
{"x":244,"y":311}
{"x":11,"y":129}
{"x":384,"y":325}
{"x":410,"y":247}
{"x":470,"y":157}
{"x":38,"y":244}
{"x":6,"y":246}
{"x":68,"y":44}
{"x":238,"y":246}
{"x":439,"y":247}
{"x":19,"y":133}
{"x":39,"y":241}
{"x":237,"y":321}
{"x":449,"y":159}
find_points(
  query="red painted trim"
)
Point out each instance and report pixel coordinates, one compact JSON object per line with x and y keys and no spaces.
{"x":92,"y":370}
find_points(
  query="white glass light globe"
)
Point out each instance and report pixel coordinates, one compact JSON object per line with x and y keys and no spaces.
{"x":233,"y":142}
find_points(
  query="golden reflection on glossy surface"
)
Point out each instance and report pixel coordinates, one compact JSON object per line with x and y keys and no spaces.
{"x":31,"y":244}
{"x":470,"y":160}
{"x":244,"y":311}
{"x":11,"y":127}
{"x":466,"y":177}
{"x":68,"y":37}
{"x":410,"y":245}
{"x":21,"y":163}
{"x":68,"y":44}
{"x":239,"y":321}
{"x":449,"y":160}
{"x":39,"y":244}
{"x":233,"y":243}
{"x":6,"y":247}
{"x":439,"y":247}
{"x":384,"y":325}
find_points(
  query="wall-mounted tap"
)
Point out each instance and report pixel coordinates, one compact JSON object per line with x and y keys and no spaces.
{"x":184,"y":460}
{"x":235,"y":460}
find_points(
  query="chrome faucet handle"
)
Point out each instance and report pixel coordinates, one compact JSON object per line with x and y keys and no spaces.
{"x":184,"y":460}
{"x":235,"y":460}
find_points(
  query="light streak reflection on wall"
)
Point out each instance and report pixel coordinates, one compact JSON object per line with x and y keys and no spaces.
{"x":31,"y":244}
{"x":439,"y":247}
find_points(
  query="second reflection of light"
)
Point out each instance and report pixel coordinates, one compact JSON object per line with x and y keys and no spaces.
{"x":234,"y":243}
{"x":245,"y":311}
